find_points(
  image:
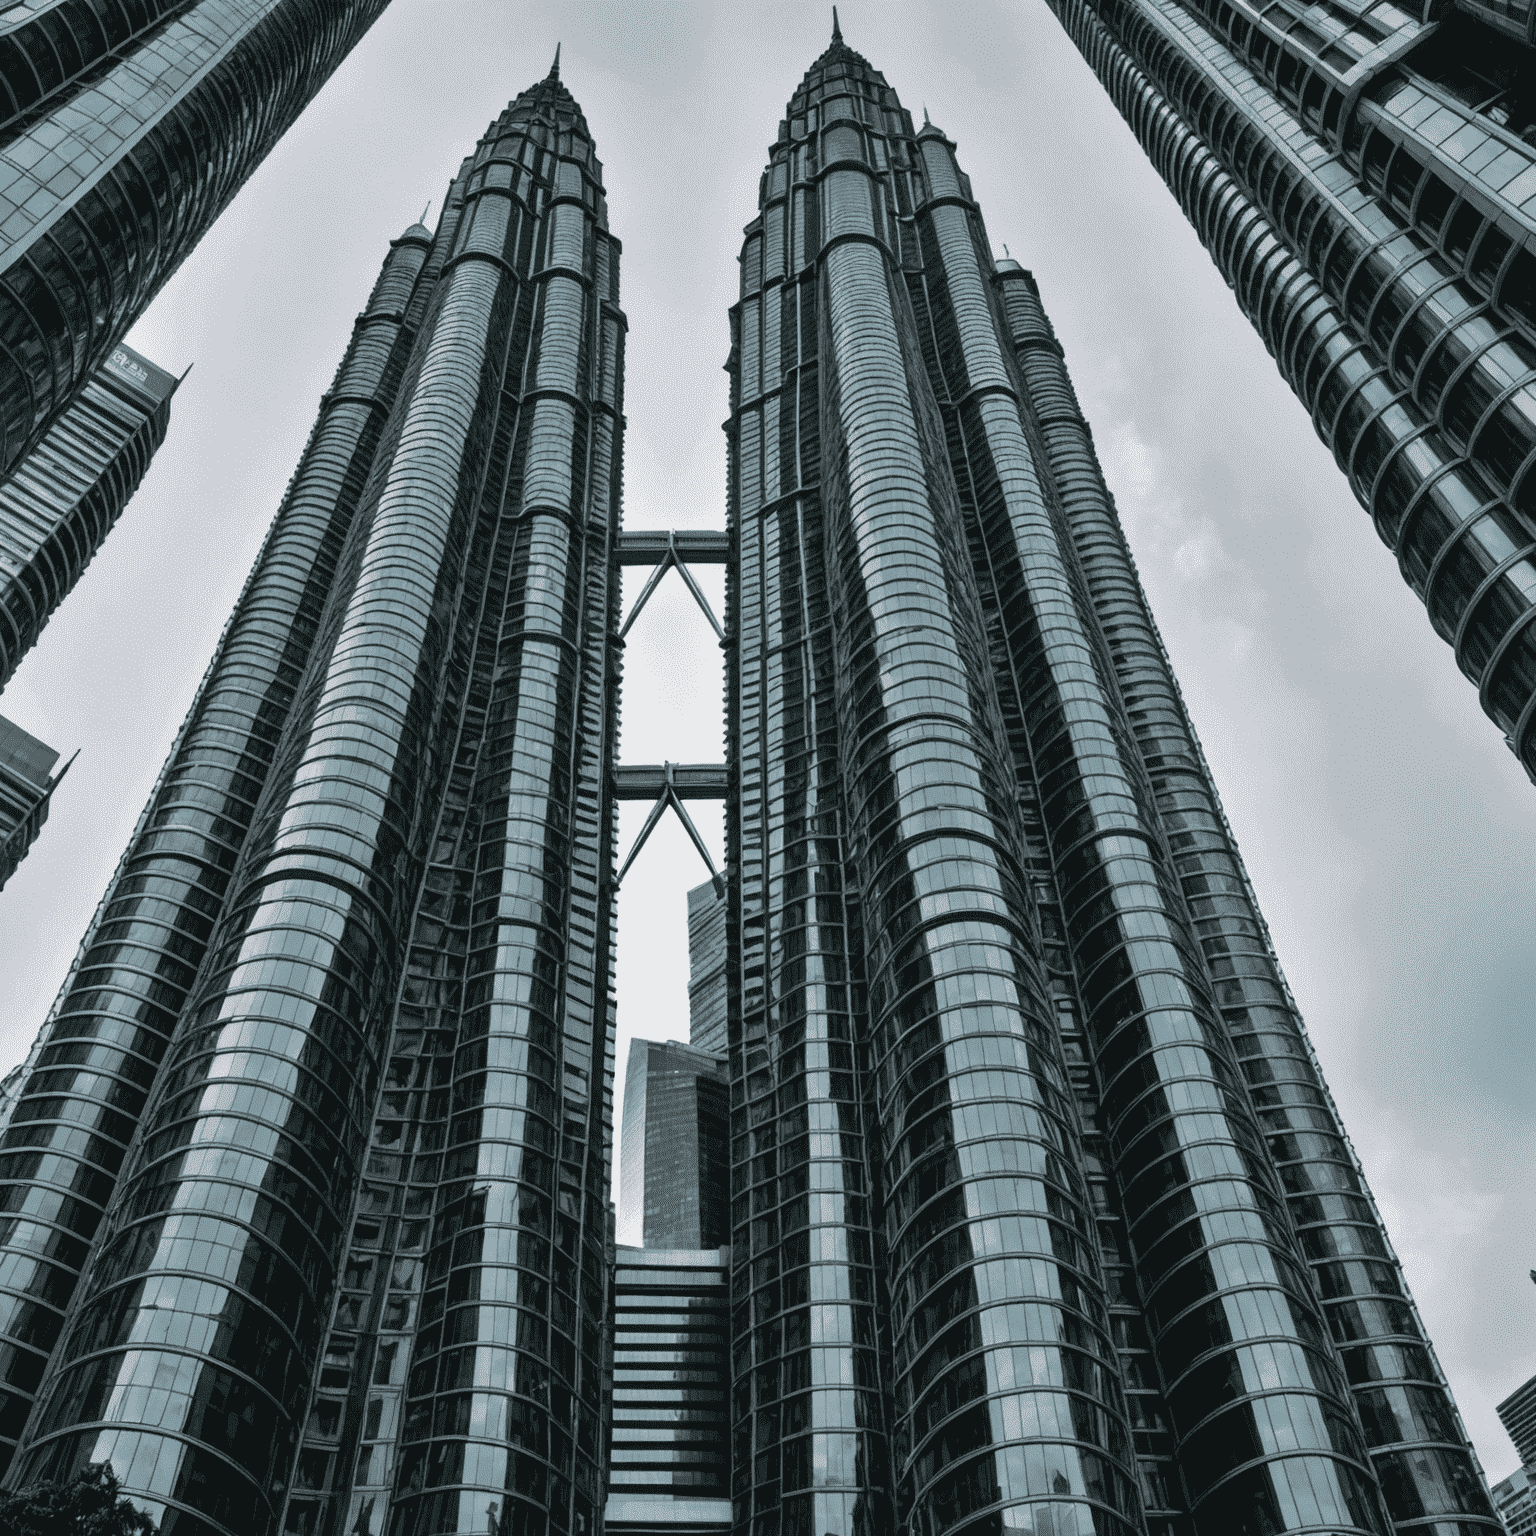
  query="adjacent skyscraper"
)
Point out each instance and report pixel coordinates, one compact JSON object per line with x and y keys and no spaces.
{"x":1042,"y":1215}
{"x":1517,"y":1413}
{"x":63,"y":499}
{"x":125,"y":128}
{"x":1364,"y":177}
{"x":1041,"y":1218}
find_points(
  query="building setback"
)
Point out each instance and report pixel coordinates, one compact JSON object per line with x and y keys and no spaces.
{"x":64,"y":498}
{"x":126,"y":126}
{"x":1364,"y":178}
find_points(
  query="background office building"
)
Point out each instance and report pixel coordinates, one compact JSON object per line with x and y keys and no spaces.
{"x":1517,"y":1413}
{"x":1515,"y":1500}
{"x":673,"y":1145}
{"x":1364,"y":177}
{"x":706,"y":967}
{"x":64,"y":498}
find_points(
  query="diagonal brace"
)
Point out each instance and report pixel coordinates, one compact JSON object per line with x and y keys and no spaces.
{"x":669,"y":797}
{"x":670,"y":559}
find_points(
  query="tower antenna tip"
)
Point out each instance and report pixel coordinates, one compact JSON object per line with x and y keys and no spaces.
{"x":837,"y":31}
{"x":424,"y":211}
{"x":554,"y":69}
{"x":926,"y":123}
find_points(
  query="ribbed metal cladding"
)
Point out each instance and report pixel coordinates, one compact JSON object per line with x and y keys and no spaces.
{"x":1428,"y":402}
{"x":97,"y":1056}
{"x":1418,"y":1445}
{"x":119,"y":160}
{"x":1220,"y":1271}
{"x":809,"y":1442}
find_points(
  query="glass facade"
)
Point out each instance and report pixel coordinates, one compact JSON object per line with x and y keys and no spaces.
{"x":63,"y":499}
{"x":669,"y":1458}
{"x":672,"y":1145}
{"x":126,"y":126}
{"x":27,"y":782}
{"x":1364,"y":176}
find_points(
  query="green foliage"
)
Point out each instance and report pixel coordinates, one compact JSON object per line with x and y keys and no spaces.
{"x":89,"y":1506}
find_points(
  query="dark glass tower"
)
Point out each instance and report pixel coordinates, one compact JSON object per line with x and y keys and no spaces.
{"x":349,"y":995}
{"x":1042,"y":1216}
{"x":126,"y":126}
{"x":1364,"y":178}
{"x":63,"y":499}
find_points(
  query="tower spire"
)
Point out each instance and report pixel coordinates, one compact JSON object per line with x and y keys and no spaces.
{"x":837,"y":31}
{"x":554,"y":69}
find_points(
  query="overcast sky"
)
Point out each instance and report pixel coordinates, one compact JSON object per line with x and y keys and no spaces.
{"x":1389,"y":831}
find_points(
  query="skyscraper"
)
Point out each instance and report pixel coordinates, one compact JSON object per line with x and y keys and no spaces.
{"x":1364,"y":178}
{"x":349,"y":993}
{"x":1043,"y":1218}
{"x":63,"y":499}
{"x":27,"y":783}
{"x":125,"y":129}
{"x":673,"y":1145}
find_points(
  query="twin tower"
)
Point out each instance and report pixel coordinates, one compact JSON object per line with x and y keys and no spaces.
{"x":1041,"y":1216}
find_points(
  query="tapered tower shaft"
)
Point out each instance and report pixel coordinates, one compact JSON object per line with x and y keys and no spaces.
{"x":421,"y":906}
